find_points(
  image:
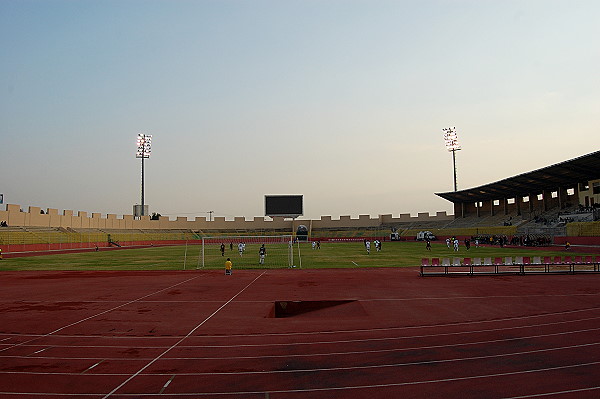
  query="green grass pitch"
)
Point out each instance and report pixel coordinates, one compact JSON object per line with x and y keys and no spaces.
{"x":331,"y":255}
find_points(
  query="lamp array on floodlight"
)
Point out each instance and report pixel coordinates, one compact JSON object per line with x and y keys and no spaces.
{"x":452,"y":145}
{"x":144,"y":145}
{"x":451,"y":139}
{"x":144,"y":148}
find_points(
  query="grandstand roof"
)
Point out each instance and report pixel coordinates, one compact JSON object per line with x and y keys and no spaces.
{"x":564,"y":174}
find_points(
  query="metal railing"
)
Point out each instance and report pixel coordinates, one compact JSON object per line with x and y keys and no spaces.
{"x":520,"y":265}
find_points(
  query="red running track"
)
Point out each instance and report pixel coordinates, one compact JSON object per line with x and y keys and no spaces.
{"x":201,"y":334}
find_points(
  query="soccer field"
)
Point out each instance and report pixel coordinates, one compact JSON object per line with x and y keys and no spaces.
{"x":330,"y":255}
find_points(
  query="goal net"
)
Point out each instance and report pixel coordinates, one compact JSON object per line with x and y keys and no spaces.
{"x":245,"y":252}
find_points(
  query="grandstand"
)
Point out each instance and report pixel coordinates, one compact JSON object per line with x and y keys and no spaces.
{"x":541,"y":202}
{"x":560,"y":202}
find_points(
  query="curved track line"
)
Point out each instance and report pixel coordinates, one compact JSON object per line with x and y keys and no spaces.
{"x":367,"y":330}
{"x":341,"y":388}
{"x":98,"y":314}
{"x":181,"y":340}
{"x":540,"y":395}
{"x":325,"y":342}
{"x":318,"y":370}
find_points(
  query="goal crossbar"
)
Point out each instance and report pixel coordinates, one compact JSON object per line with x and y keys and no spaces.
{"x":245,"y":251}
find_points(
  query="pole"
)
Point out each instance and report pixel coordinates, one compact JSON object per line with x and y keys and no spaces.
{"x":142,"y":211}
{"x":143,"y":151}
{"x":452,"y":145}
{"x":454,"y":165}
{"x":185,"y":255}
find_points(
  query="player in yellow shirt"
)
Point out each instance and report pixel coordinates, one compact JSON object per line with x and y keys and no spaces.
{"x":228,"y":266}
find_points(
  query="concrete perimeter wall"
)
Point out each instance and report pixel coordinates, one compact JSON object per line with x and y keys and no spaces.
{"x":15,"y":216}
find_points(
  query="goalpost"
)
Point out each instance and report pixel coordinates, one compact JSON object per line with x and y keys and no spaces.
{"x":244,"y":252}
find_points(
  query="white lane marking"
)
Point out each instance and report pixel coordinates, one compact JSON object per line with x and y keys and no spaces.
{"x":181,"y":340}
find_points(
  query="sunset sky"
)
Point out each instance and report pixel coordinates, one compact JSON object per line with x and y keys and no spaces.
{"x":343,"y":101}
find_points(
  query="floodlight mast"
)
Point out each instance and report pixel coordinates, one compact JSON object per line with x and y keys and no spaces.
{"x":144,"y":148}
{"x":452,"y":145}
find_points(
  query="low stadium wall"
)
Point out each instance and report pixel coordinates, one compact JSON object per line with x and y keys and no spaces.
{"x":36,"y":217}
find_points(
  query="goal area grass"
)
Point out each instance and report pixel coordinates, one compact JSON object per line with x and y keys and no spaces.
{"x":330,"y":255}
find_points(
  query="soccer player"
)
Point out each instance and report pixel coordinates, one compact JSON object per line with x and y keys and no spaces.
{"x":222,"y":249}
{"x":228,"y":266}
{"x":428,"y":246}
{"x":241,"y":247}
{"x":262,"y":252}
{"x":368,"y":246}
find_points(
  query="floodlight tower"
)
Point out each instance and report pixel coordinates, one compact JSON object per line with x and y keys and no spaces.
{"x":144,"y":147}
{"x":452,"y":145}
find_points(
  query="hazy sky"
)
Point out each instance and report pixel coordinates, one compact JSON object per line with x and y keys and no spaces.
{"x":342,"y":101}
